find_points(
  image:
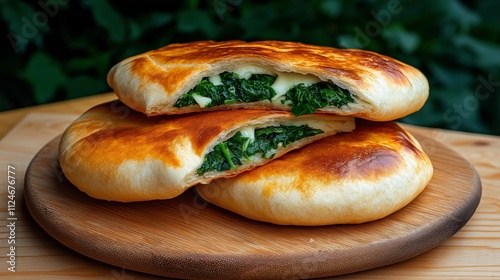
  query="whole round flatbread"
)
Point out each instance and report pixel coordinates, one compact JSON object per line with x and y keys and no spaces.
{"x":351,"y":178}
{"x":383,"y":88}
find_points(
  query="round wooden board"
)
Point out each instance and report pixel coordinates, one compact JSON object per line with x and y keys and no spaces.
{"x":188,"y":238}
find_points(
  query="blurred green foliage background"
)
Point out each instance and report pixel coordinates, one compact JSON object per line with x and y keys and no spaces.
{"x":62,"y":49}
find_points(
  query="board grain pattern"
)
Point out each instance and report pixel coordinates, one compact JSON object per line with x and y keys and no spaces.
{"x":186,"y":237}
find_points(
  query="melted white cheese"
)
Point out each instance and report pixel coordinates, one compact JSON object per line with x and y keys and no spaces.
{"x":285,"y":81}
{"x":216,"y":80}
{"x":202,"y":100}
{"x":343,"y":124}
{"x":281,"y":85}
{"x":246,"y":72}
{"x":270,"y":153}
{"x":249,"y":132}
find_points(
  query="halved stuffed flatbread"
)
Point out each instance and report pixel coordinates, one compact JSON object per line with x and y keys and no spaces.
{"x":303,"y":79}
{"x":133,"y":157}
{"x":346,"y":179}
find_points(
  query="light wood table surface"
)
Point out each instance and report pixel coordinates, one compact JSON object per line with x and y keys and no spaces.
{"x":472,"y":253}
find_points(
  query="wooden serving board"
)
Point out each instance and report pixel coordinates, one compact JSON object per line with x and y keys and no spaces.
{"x":188,"y":238}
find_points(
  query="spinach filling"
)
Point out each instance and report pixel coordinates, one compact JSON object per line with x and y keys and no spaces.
{"x":228,"y":154}
{"x":302,"y":98}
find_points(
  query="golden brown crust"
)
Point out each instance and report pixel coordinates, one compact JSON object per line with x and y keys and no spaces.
{"x":350,"y":178}
{"x":385,"y":88}
{"x":112,"y":152}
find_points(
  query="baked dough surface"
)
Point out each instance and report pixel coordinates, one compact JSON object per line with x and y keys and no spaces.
{"x":112,"y":152}
{"x":350,"y":178}
{"x":384,"y":88}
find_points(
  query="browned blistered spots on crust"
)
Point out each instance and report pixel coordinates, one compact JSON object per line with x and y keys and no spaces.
{"x":150,"y":70}
{"x":143,"y":65}
{"x":190,"y":58}
{"x":372,"y":151}
{"x":390,"y":67}
{"x":127,"y":143}
{"x":137,"y":137}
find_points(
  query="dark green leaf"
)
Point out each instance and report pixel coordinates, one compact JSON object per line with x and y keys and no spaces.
{"x":450,"y":77}
{"x":80,"y":86}
{"x":22,"y":30}
{"x":109,"y":18}
{"x":196,"y":20}
{"x":332,"y":8}
{"x":307,"y":99}
{"x":228,"y":154}
{"x":151,"y":21}
{"x":398,"y":37}
{"x":303,"y":99}
{"x":487,"y":54}
{"x":465,"y":17}
{"x":45,"y":76}
{"x":233,"y":89}
{"x":80,"y":64}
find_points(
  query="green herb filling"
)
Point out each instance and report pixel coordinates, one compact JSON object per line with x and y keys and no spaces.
{"x":302,"y":98}
{"x":228,"y":154}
